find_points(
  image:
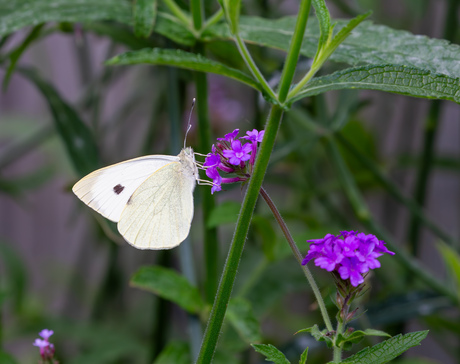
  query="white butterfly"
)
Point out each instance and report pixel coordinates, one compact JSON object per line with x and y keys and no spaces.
{"x":150,"y":197}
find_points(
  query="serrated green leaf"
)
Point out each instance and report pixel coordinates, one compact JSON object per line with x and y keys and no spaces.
{"x":271,"y":353}
{"x":387,"y":350}
{"x":78,"y":139}
{"x":181,"y":59}
{"x":324,"y":19}
{"x":390,"y":78}
{"x":16,"y":53}
{"x":224,"y":213}
{"x":169,"y":285}
{"x":358,"y":335}
{"x":241,"y":316}
{"x":303,"y":357}
{"x":452,"y":261}
{"x":144,"y":14}
{"x":368,"y":43}
{"x":34,"y":12}
{"x":175,"y":352}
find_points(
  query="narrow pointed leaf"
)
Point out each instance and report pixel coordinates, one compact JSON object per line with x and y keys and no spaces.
{"x":387,"y":350}
{"x":169,"y":285}
{"x":144,"y":14}
{"x":368,"y":43}
{"x":390,"y":78}
{"x":324,"y":19}
{"x":181,"y":59}
{"x":76,"y":136}
{"x":241,"y":316}
{"x":303,"y":357}
{"x":271,"y":353}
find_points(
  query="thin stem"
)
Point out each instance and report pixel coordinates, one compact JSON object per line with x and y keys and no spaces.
{"x":294,"y":50}
{"x":364,"y":215}
{"x":337,"y":356}
{"x":314,"y":68}
{"x":211,"y":247}
{"x":298,"y":256}
{"x":253,"y":67}
{"x":177,"y":11}
{"x":214,"y":19}
{"x":196,"y":7}
{"x":224,"y":291}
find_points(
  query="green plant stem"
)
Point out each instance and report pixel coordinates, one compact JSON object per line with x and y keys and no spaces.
{"x":393,"y":190}
{"x":294,"y":50}
{"x":214,"y":19}
{"x":298,"y":256}
{"x":177,"y":11}
{"x":196,"y":7}
{"x":364,"y":216}
{"x":314,"y":68}
{"x":217,"y":315}
{"x":211,"y":247}
{"x":253,"y":67}
{"x":337,"y":355}
{"x":431,"y":128}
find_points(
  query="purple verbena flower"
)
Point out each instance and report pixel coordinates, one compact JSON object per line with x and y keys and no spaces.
{"x":239,"y":153}
{"x":46,"y":348}
{"x":230,"y":136}
{"x":213,"y":173}
{"x":350,"y":254}
{"x":254,"y":135}
{"x":46,"y":334}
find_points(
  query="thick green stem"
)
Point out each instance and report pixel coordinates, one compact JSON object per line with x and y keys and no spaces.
{"x":298,"y":257}
{"x":364,"y":215}
{"x":337,"y":356}
{"x":196,"y":7}
{"x":211,"y":247}
{"x":224,"y":291}
{"x":294,"y":50}
{"x":177,"y":11}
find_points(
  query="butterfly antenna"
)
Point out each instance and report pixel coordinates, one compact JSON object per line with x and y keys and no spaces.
{"x":189,"y":124}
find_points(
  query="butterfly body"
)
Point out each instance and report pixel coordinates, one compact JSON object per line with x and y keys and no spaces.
{"x":150,"y":197}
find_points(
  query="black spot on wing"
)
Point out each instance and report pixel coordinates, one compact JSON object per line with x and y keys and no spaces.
{"x":118,"y":189}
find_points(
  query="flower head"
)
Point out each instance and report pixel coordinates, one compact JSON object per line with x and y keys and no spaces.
{"x":46,"y":334}
{"x":350,"y":254}
{"x":46,"y":348}
{"x":232,"y":155}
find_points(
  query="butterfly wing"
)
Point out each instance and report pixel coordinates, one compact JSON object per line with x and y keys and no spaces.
{"x":108,"y":189}
{"x":159,"y":213}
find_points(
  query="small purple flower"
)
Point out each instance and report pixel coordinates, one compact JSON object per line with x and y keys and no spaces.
{"x":254,"y":135}
{"x":230,"y":136}
{"x":350,"y":254}
{"x":213,"y":173}
{"x":46,"y":334}
{"x":239,"y":153}
{"x":212,"y":160}
{"x":41,"y":343}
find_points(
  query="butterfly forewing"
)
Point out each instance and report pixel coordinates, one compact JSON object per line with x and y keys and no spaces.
{"x":159,"y":213}
{"x":108,"y":189}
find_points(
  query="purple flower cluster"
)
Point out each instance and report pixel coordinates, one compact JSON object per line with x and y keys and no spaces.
{"x":350,"y":254}
{"x":46,"y":348}
{"x":232,"y":155}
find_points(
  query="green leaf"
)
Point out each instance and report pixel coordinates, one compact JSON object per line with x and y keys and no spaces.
{"x":390,"y":78}
{"x":16,"y":53}
{"x":318,"y":334}
{"x":224,"y":213}
{"x":181,"y":59}
{"x":6,"y":358}
{"x":241,"y":316}
{"x":357,"y":336}
{"x":271,"y":353}
{"x":169,"y":285}
{"x":452,"y":261}
{"x":15,"y":274}
{"x":78,"y":139}
{"x":34,"y":12}
{"x":303,"y":357}
{"x":144,"y":14}
{"x":324,"y":19}
{"x":387,"y":350}
{"x":368,"y":43}
{"x":175,"y":352}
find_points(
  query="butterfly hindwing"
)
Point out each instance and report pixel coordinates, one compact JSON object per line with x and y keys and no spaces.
{"x":108,"y":189}
{"x":159,"y":213}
